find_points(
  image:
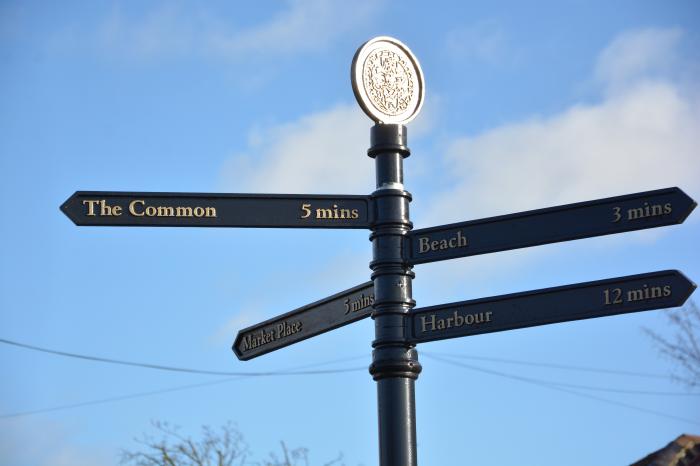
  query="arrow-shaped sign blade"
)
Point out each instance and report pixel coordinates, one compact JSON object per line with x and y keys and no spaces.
{"x":635,"y":293}
{"x":619,"y":214}
{"x":99,"y":208}
{"x":313,"y":319}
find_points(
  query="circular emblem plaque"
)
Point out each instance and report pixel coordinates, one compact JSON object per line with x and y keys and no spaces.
{"x":387,"y":81}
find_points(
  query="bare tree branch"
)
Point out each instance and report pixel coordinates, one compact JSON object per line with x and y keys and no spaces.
{"x":683,"y":348}
{"x":222,"y":447}
{"x":225,"y":447}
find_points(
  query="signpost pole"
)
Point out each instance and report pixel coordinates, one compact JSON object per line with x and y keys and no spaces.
{"x":395,"y":365}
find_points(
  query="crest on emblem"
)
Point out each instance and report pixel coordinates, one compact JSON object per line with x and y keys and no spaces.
{"x":387,"y":81}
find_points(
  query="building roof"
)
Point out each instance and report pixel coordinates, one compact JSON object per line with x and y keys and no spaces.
{"x":683,"y":451}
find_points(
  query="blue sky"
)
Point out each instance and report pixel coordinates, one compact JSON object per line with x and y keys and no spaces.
{"x":527,"y":106}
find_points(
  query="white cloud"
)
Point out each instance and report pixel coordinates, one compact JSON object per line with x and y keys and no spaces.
{"x":639,"y":137}
{"x":245,"y":318}
{"x":325,"y":152}
{"x":171,"y":30}
{"x":484,"y":41}
{"x":642,"y":136}
{"x":338,"y":271}
{"x":160,"y":32}
{"x":348,"y":267}
{"x":638,"y":54}
{"x":304,"y":25}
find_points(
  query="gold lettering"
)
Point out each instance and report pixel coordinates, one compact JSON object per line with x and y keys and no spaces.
{"x":616,"y":296}
{"x":329,"y":213}
{"x":616,"y":213}
{"x":254,"y":340}
{"x":423,"y":245}
{"x":151,"y":211}
{"x":633,"y":214}
{"x":117,"y":210}
{"x":462,"y":239}
{"x":285,"y":329}
{"x":656,"y":292}
{"x":105,"y":210}
{"x":649,"y":210}
{"x":166,"y":211}
{"x":324,"y":213}
{"x":358,"y":304}
{"x":635,"y":295}
{"x":454,"y":242}
{"x":183,"y":211}
{"x":432,"y":323}
{"x":91,"y":207}
{"x":132,"y":207}
{"x":198,"y":212}
{"x":210,"y":212}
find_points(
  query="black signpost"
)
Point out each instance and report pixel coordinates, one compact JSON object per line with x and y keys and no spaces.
{"x":396,"y":249}
{"x":104,"y":208}
{"x":634,"y":293}
{"x":313,"y":319}
{"x":618,"y":214}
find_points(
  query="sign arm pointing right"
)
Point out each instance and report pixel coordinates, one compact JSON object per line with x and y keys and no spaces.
{"x":600,"y":217}
{"x":622,"y":295}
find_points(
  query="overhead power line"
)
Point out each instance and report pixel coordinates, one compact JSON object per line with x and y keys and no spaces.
{"x":556,"y":386}
{"x":584,"y":387}
{"x":331,"y":371}
{"x":117,"y":398}
{"x":300,"y":370}
{"x":550,"y":365}
{"x":304,"y":370}
{"x":352,"y":358}
{"x":184,"y":369}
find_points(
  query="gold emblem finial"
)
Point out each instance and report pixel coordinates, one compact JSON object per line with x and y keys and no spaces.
{"x":387,"y":81}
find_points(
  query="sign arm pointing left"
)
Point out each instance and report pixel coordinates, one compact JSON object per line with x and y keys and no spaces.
{"x":313,"y":319}
{"x":105,"y":208}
